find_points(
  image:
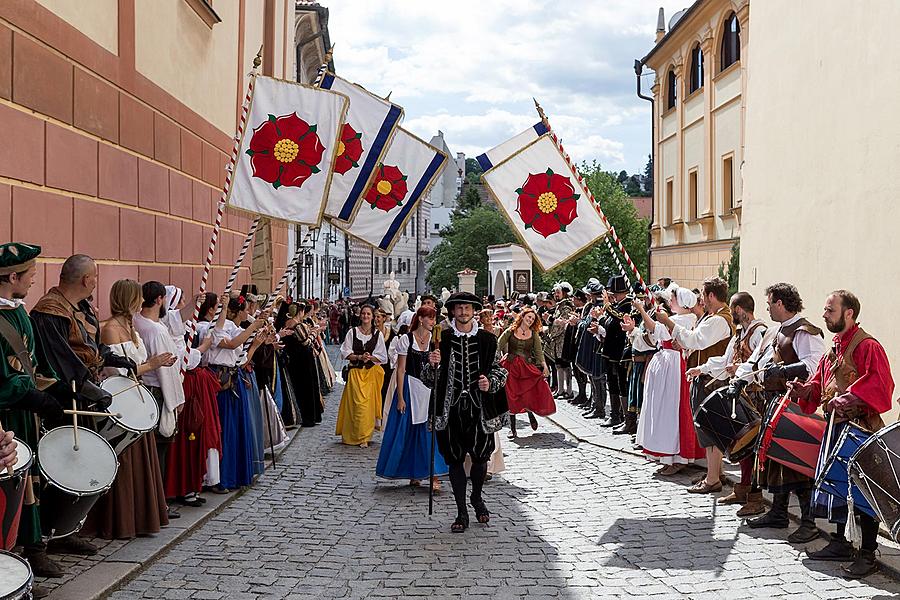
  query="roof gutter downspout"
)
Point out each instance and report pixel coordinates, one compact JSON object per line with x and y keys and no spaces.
{"x":638,"y":68}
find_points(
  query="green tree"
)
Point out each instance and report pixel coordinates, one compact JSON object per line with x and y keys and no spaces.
{"x":469,"y":200}
{"x":731,"y":271}
{"x":464,"y":244}
{"x":473,"y":167}
{"x":648,"y":176}
{"x":633,"y":186}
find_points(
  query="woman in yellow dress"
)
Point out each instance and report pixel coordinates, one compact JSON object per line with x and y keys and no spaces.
{"x":365,"y":352}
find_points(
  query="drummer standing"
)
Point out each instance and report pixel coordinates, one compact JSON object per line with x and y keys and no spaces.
{"x":853,"y":382}
{"x":708,"y":338}
{"x":22,"y":377}
{"x":746,"y":339}
{"x":789,"y":351}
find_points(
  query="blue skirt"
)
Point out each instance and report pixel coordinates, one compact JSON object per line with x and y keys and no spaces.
{"x":239,"y":437}
{"x":406,"y":448}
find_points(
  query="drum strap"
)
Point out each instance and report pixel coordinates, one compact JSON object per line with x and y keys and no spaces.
{"x":15,"y":341}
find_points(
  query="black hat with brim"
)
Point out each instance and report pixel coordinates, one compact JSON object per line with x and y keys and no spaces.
{"x":463,"y":298}
{"x":617,"y":284}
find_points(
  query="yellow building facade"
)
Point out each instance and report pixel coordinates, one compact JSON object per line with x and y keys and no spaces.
{"x":699,"y":97}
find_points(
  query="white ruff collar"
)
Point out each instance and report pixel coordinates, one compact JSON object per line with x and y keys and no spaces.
{"x":462,"y":334}
{"x":12,"y":303}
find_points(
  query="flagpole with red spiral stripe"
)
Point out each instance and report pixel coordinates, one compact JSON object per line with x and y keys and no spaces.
{"x":220,"y":209}
{"x":594,"y":203}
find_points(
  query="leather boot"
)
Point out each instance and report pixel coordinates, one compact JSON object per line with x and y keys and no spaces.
{"x":41,"y":564}
{"x":753,"y":506}
{"x":863,"y":566}
{"x":629,"y":427}
{"x":807,"y":531}
{"x":737,"y":496}
{"x":512,"y":427}
{"x":615,"y":417}
{"x":837,"y":550}
{"x":777,"y":517}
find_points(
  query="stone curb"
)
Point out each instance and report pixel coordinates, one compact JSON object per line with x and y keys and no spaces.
{"x":889,"y":551}
{"x":108,"y":575}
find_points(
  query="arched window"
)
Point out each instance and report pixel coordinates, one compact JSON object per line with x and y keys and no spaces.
{"x":731,"y":42}
{"x":696,"y":69}
{"x":671,"y":93}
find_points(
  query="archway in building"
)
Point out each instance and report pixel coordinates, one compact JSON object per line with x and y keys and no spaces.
{"x":499,"y":287}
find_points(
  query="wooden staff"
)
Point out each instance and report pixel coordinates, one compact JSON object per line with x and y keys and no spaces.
{"x":220,"y":210}
{"x":92,"y":413}
{"x":74,"y":417}
{"x":237,"y":267}
{"x":436,"y":341}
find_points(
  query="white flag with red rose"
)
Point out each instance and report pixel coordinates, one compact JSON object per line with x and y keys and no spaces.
{"x":289,"y":146}
{"x":544,"y":202}
{"x":367,"y":133}
{"x":409,"y":169}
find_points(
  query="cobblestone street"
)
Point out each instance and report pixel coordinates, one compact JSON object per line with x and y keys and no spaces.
{"x":569,"y":521}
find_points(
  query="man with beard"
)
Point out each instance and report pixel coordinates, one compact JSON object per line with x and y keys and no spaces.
{"x":469,"y":402}
{"x":556,"y":333}
{"x":790,"y":351}
{"x":853,"y":382}
{"x":616,"y":351}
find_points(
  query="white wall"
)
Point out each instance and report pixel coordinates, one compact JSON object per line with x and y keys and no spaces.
{"x":820,"y":192}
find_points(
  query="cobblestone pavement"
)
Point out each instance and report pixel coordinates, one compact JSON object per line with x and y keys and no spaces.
{"x":569,"y":521}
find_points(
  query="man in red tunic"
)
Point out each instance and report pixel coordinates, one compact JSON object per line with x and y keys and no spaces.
{"x":854,"y":382}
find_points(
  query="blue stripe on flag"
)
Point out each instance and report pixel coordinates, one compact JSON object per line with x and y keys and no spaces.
{"x":380,"y":140}
{"x":540,"y":128}
{"x":484,"y":161}
{"x":328,"y":81}
{"x":412,"y":203}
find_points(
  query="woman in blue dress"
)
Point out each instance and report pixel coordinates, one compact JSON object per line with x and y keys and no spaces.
{"x":406,"y":443}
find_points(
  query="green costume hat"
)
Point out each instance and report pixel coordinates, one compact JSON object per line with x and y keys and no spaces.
{"x":16,"y":257}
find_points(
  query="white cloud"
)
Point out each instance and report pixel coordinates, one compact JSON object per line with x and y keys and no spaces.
{"x":470,"y":68}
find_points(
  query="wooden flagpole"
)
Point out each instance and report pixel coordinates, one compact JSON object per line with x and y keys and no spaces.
{"x":615,"y":256}
{"x":594,"y":203}
{"x":220,"y":210}
{"x":237,"y":267}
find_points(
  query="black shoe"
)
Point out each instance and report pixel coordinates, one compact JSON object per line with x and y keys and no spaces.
{"x":189,"y":501}
{"x":837,"y":551}
{"x":770,"y":520}
{"x":461,"y":523}
{"x":863,"y":566}
{"x":594,"y":415}
{"x":611,"y":422}
{"x":807,"y":532}
{"x":216,"y":489}
{"x":72,"y":544}
{"x":173,"y":512}
{"x":42,"y":565}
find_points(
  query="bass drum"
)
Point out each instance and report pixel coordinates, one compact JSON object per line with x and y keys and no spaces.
{"x":731,"y":422}
{"x":874,"y":470}
{"x":75,"y":478}
{"x":12,"y":489}
{"x":16,"y":577}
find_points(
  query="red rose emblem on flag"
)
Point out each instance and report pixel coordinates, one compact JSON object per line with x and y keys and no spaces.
{"x":285,"y":151}
{"x":547,"y":203}
{"x":349,"y":150}
{"x":388,"y":190}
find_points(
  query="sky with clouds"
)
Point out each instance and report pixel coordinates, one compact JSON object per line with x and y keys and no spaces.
{"x":470,"y":68}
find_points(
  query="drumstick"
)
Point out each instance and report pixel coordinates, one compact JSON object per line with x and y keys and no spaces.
{"x":733,"y":401}
{"x":92,"y":413}
{"x":74,"y":417}
{"x":745,"y":374}
{"x":122,"y":391}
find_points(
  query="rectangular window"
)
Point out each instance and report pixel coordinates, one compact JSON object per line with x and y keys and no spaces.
{"x":384,"y":266}
{"x":437,"y":226}
{"x":390,"y":265}
{"x":728,"y":184}
{"x":407,"y":265}
{"x":670,"y":204}
{"x":693,"y":199}
{"x":375,"y":263}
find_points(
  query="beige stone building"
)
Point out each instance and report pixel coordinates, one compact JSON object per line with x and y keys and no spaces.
{"x":822,"y":150}
{"x":119,"y":117}
{"x":699,"y":98}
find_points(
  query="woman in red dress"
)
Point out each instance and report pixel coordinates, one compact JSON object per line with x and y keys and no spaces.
{"x":527,"y":390}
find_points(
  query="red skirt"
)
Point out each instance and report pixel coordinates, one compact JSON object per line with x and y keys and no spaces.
{"x":526,"y":388}
{"x":687,"y":435}
{"x":198,"y":432}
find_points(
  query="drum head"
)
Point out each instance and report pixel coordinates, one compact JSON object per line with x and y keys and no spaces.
{"x":138,"y":407}
{"x":24,"y":458}
{"x":15,"y":574}
{"x":89,"y":470}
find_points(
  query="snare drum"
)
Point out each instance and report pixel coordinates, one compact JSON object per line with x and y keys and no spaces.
{"x":791,"y":437}
{"x":12,"y":490}
{"x":734,"y":435}
{"x":139,"y":410}
{"x":16,"y":577}
{"x":874,"y":471}
{"x":833,"y":475}
{"x":75,"y":478}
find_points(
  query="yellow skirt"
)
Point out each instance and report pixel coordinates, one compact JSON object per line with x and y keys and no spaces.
{"x":360,"y":405}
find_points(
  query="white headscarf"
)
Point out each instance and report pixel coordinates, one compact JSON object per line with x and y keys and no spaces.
{"x":173,"y":296}
{"x":686,"y":298}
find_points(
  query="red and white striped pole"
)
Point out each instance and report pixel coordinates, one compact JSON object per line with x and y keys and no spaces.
{"x":237,"y":266}
{"x":220,"y":210}
{"x":594,"y":203}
